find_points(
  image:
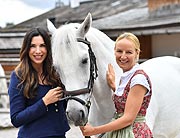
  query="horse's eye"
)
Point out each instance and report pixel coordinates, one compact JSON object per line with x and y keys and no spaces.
{"x":84,"y":61}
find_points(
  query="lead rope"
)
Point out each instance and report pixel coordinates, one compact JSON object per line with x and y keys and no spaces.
{"x":93,"y":75}
{"x":88,"y":106}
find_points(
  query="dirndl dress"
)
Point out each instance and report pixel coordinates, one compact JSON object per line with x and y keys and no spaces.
{"x":139,"y":128}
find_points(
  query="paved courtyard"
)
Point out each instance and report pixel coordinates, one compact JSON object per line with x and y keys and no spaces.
{"x":7,"y":131}
{"x":74,"y":132}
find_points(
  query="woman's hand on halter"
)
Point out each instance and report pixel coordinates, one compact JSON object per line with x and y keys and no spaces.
{"x":53,"y":95}
{"x":110,"y":77}
{"x":87,"y":130}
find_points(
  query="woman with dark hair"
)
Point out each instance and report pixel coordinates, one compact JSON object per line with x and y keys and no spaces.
{"x":35,"y":89}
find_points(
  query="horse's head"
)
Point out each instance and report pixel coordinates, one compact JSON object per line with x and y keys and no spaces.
{"x":72,"y":60}
{"x":75,"y":49}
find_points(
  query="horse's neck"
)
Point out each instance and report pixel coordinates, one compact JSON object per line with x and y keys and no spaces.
{"x":102,"y":105}
{"x":103,"y":48}
{"x":104,"y":52}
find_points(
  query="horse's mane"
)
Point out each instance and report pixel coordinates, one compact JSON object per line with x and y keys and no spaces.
{"x":67,"y":36}
{"x":102,"y":45}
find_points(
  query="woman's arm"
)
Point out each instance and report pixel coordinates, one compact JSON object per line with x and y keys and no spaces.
{"x":132,"y":107}
{"x":19,"y":112}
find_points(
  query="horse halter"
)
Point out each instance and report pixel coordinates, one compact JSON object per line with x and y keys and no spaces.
{"x":93,"y":75}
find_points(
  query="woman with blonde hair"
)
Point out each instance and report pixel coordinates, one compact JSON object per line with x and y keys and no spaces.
{"x":131,"y":96}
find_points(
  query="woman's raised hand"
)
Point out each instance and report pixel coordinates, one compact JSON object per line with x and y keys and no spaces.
{"x":110,"y":77}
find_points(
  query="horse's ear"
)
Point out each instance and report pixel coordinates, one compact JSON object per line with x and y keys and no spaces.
{"x":51,"y":26}
{"x":85,"y":25}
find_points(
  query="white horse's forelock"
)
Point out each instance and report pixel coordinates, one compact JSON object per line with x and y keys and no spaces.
{"x":64,"y":42}
{"x":62,"y":37}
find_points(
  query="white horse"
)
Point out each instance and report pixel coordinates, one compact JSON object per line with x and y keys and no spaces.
{"x":72,"y":60}
{"x":4,"y":100}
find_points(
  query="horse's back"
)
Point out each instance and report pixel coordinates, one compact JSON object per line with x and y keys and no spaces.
{"x":164,"y":110}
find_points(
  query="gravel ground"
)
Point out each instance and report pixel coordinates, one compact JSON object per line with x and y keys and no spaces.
{"x":74,"y":132}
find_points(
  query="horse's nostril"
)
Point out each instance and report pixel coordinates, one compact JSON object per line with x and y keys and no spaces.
{"x":67,"y":114}
{"x":82,"y":114}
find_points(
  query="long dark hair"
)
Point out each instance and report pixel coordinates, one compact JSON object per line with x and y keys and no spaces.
{"x":27,"y":74}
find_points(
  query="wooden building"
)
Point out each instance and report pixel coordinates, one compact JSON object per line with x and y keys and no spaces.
{"x":155,"y":5}
{"x":156,"y":23}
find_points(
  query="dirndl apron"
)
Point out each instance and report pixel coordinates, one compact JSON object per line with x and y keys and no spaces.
{"x":126,"y":132}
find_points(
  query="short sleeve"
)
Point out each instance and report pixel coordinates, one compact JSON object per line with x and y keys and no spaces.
{"x":141,"y":80}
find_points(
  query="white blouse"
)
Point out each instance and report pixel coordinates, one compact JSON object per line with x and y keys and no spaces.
{"x":137,"y":79}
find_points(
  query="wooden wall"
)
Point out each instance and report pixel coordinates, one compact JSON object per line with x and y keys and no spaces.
{"x":155,"y":4}
{"x":9,"y":59}
{"x":146,"y":48}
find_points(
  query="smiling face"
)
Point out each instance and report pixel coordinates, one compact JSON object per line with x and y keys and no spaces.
{"x":126,"y":54}
{"x":37,"y":51}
